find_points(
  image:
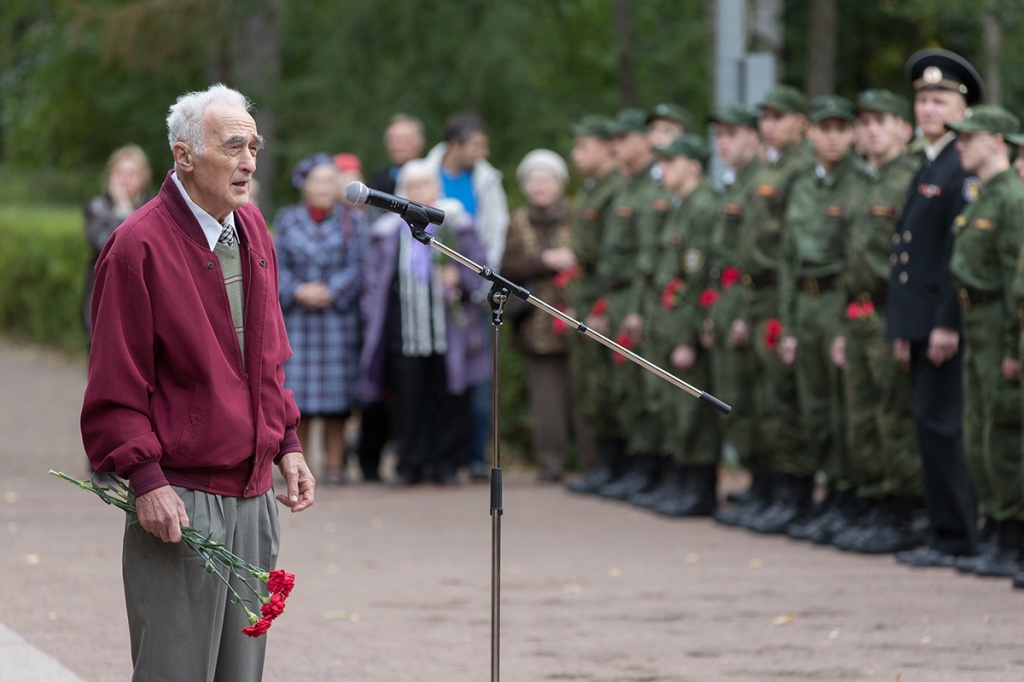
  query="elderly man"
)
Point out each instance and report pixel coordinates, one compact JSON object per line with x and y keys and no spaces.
{"x":185,"y":396}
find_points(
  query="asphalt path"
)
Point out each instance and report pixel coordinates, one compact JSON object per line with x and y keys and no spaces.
{"x":395,"y":584}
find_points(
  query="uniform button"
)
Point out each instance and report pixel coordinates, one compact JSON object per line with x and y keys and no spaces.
{"x":896,"y":238}
{"x":904,"y":257}
{"x":907,"y":236}
{"x":210,"y":265}
{"x":904,"y":278}
{"x":263,"y":262}
{"x":892,"y":259}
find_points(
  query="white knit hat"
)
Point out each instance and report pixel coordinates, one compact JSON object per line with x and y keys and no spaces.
{"x":543,"y":159}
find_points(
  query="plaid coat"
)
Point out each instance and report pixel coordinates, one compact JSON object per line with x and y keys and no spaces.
{"x":324,"y":367}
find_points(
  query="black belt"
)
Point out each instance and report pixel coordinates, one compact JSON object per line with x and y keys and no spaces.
{"x":812,"y":286}
{"x":755,"y":282}
{"x":972,"y":298}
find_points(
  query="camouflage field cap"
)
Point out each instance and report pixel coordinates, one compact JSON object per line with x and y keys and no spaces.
{"x":884,"y":101}
{"x":593,"y":125}
{"x":831,"y":106}
{"x":987,"y":118}
{"x":672,"y":112}
{"x":784,"y":99}
{"x":735,"y":114}
{"x":629,"y":121}
{"x":691,"y":146}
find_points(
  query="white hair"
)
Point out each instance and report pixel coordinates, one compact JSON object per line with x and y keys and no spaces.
{"x":185,"y":117}
{"x":417,"y":169}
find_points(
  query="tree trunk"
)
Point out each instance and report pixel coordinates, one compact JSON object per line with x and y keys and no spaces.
{"x":821,"y":71}
{"x":624,"y":38}
{"x":993,"y":55}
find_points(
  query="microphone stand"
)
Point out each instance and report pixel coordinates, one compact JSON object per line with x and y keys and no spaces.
{"x":501,"y":290}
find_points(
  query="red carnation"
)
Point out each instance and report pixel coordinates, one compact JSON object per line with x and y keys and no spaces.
{"x":860,"y":311}
{"x":281,"y":582}
{"x":708,"y":298}
{"x":730,"y":276}
{"x":670,"y":295}
{"x":273,"y":608}
{"x":600,"y":307}
{"x":558,"y":325}
{"x":868,"y":308}
{"x":563,"y":278}
{"x":624,"y":341}
{"x":259,"y":628}
{"x":772,"y":333}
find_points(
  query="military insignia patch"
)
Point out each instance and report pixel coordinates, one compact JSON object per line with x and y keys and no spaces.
{"x":732,"y":209}
{"x":982,"y":224}
{"x":834,"y":211}
{"x":959,"y":222}
{"x":766,"y":190}
{"x":624,"y":211}
{"x":693,"y":260}
{"x":878,"y":211}
{"x":661,"y":205}
{"x":929,"y":191}
{"x":591,"y":214}
{"x":972,"y":188}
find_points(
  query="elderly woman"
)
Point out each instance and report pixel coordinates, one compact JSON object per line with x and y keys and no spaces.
{"x":421,"y":343}
{"x":321,"y":246}
{"x":538,"y":256}
{"x":126,"y":188}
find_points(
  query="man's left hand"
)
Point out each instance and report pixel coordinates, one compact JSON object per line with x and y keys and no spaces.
{"x":300,"y":482}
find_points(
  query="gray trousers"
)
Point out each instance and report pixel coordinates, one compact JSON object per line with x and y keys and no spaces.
{"x":183,"y":627}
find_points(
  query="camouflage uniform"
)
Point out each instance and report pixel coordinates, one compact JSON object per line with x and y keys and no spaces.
{"x":987,"y":239}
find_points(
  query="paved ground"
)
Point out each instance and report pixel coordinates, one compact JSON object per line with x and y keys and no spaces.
{"x":394,"y":585}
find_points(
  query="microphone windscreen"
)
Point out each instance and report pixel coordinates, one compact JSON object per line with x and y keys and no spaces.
{"x":356,"y":192}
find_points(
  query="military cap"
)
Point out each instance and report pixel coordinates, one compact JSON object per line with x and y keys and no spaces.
{"x":934,"y":69}
{"x":593,"y":125}
{"x":691,"y":146}
{"x":1015,"y":140}
{"x":629,"y":121}
{"x":785,"y":99}
{"x":884,"y":101}
{"x":672,"y":112}
{"x":987,"y":118}
{"x":734,"y":114}
{"x":831,"y":106}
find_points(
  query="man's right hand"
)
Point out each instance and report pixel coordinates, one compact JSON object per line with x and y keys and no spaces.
{"x":162,"y":513}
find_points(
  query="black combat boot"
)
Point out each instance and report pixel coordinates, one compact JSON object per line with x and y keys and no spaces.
{"x":638,"y":475}
{"x":892,"y":530}
{"x":698,"y":499}
{"x":761,"y":497}
{"x":671,"y":485}
{"x":610,"y":456}
{"x":794,"y":499}
{"x":1006,"y":561}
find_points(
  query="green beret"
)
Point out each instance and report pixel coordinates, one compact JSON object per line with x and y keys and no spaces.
{"x":629,"y":121}
{"x":688,"y":145}
{"x":987,"y":118}
{"x":785,"y":99}
{"x":831,"y":106}
{"x":884,"y":101}
{"x":593,"y":125}
{"x":735,"y":114}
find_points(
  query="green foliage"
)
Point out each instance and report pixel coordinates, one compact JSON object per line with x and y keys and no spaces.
{"x":43,"y":257}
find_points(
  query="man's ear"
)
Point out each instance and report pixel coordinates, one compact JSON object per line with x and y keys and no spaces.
{"x":182,"y":156}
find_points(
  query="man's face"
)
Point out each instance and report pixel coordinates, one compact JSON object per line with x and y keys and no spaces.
{"x":219,"y":179}
{"x":934,"y":108}
{"x":589,"y":154}
{"x":832,"y":139}
{"x":735,"y":144}
{"x":781,"y":129}
{"x":403,"y":142}
{"x":678,"y":171}
{"x":467,"y":153}
{"x":975,"y":150}
{"x":881,"y":133}
{"x":662,"y":131}
{"x":631,"y":149}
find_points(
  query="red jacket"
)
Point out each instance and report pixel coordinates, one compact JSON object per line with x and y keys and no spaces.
{"x":168,"y":400}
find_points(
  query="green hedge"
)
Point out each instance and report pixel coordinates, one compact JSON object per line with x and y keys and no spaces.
{"x":43,"y":257}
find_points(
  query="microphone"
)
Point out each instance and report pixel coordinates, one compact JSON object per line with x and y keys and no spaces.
{"x":358,"y":193}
